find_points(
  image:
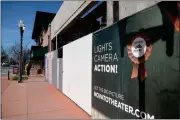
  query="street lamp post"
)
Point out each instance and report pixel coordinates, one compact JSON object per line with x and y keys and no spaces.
{"x":22,"y":28}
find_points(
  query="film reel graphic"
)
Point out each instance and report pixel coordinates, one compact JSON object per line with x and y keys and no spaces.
{"x":139,"y":50}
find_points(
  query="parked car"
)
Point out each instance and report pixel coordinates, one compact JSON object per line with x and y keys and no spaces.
{"x":5,"y":64}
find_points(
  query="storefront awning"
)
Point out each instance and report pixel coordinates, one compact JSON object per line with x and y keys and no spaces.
{"x":38,"y":52}
{"x":42,"y":20}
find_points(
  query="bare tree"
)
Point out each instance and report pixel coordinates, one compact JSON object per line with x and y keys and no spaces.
{"x":14,"y":51}
{"x":4,"y":55}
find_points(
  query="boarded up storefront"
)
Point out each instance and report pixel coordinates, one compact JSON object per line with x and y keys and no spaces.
{"x":135,"y":65}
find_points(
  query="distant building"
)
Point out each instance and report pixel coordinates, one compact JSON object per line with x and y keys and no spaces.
{"x":41,"y":36}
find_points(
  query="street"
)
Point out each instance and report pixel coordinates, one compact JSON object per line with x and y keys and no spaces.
{"x":4,"y":70}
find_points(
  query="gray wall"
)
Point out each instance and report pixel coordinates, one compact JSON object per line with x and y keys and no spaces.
{"x":128,"y":7}
{"x":59,"y":73}
{"x":57,"y":70}
{"x":66,"y":14}
{"x":54,"y":72}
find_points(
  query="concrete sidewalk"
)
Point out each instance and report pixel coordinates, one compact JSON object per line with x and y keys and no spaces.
{"x":36,"y":98}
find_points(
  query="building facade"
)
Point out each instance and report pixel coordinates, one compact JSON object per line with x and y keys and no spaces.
{"x":41,"y":35}
{"x":71,"y":39}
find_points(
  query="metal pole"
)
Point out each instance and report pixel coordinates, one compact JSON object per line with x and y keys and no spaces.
{"x":8,"y":74}
{"x":20,"y":65}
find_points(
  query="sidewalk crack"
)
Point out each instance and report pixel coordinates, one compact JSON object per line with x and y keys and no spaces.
{"x":5,"y":117}
{"x":47,"y":111}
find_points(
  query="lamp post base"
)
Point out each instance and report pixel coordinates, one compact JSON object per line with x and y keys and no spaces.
{"x":20,"y":81}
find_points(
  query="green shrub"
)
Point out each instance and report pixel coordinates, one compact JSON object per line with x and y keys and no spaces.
{"x":16,"y":77}
{"x":24,"y":77}
{"x":24,"y":72}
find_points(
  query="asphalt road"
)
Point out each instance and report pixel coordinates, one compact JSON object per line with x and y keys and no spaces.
{"x":4,"y":70}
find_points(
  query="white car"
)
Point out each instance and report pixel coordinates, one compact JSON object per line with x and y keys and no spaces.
{"x":5,"y":64}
